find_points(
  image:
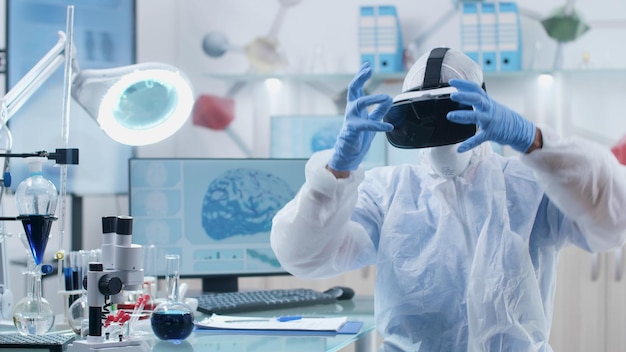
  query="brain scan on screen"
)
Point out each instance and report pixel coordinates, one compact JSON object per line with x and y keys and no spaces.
{"x":215,"y":213}
{"x":243,"y":202}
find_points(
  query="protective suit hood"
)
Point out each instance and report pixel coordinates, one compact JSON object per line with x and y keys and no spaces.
{"x":445,"y":161}
{"x":455,"y":65}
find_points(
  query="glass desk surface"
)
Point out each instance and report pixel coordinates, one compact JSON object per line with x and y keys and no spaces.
{"x":359,"y":308}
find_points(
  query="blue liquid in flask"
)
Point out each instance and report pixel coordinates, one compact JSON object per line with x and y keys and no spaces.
{"x":37,"y":228}
{"x":172,"y":324}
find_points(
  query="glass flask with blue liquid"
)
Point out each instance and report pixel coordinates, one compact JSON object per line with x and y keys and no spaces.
{"x":36,"y":199}
{"x":172,"y":319}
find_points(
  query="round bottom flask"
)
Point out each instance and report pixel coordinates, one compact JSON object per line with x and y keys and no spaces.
{"x":33,"y":314}
{"x":172,"y":319}
{"x":33,"y":318}
{"x":77,"y":316}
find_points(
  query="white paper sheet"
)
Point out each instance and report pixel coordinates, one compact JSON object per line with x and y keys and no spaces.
{"x":271,"y":323}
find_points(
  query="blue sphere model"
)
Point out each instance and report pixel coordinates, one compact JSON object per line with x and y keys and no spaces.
{"x":215,"y":44}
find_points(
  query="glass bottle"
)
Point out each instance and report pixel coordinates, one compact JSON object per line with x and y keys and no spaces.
{"x":36,"y":200}
{"x":172,"y":319}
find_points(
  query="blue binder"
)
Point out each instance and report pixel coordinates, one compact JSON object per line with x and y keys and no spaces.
{"x":389,"y":40}
{"x":380,"y":38}
{"x":509,"y":37}
{"x":491,"y":35}
{"x":488,"y":36}
{"x":367,"y":35}
{"x":470,"y":32}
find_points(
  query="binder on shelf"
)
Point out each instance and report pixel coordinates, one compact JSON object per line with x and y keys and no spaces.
{"x":491,"y":35}
{"x":380,"y":38}
{"x":388,"y":40}
{"x":509,"y":37}
{"x":367,"y":35}
{"x":470,"y":32}
{"x":488,"y":37}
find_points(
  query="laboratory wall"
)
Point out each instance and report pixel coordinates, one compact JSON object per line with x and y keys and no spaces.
{"x":321,"y":37}
{"x":318,"y":39}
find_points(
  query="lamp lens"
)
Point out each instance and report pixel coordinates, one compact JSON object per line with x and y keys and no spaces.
{"x":145,"y":105}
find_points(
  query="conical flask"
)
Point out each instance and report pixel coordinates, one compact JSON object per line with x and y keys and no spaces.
{"x":36,"y":199}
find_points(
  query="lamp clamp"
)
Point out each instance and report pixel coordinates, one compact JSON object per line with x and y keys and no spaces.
{"x":63,"y":156}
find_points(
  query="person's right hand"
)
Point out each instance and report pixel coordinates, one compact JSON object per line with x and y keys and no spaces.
{"x":359,"y":126}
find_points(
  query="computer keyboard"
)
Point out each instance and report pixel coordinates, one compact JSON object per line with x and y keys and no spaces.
{"x":248,"y":301}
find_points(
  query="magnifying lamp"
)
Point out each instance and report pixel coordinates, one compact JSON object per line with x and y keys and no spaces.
{"x":134,"y":105}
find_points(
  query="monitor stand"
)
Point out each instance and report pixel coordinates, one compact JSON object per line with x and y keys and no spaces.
{"x":220,"y":284}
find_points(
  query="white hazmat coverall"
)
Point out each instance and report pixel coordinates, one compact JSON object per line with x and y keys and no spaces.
{"x":465,"y":263}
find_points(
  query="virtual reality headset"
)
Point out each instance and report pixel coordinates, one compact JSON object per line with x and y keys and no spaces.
{"x":419,"y":115}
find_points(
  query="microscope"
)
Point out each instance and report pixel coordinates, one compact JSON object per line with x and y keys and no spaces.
{"x":121,"y":269}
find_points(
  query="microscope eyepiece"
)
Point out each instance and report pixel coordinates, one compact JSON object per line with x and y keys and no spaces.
{"x":109,"y":224}
{"x":124,"y":225}
{"x":95,"y":266}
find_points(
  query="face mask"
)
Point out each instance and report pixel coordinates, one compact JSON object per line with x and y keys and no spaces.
{"x":446,"y":161}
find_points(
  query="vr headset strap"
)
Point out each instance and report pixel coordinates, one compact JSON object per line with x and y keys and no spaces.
{"x":432,"y":76}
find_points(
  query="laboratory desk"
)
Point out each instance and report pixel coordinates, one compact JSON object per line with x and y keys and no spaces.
{"x":359,"y":308}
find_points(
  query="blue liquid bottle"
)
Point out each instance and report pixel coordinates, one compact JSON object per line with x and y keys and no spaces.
{"x":172,"y":320}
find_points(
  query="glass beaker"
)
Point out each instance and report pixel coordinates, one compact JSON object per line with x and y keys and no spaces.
{"x":172,"y":319}
{"x":150,"y":272}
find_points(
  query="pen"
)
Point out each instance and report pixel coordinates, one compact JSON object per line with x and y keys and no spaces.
{"x":289,"y":318}
{"x":280,"y":319}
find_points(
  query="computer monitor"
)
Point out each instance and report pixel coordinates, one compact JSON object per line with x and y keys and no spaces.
{"x":215,"y":213}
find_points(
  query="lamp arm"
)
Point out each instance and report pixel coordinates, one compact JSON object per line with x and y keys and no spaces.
{"x":37,"y":76}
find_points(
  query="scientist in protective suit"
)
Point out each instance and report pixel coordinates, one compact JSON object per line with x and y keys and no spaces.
{"x":465,"y":241}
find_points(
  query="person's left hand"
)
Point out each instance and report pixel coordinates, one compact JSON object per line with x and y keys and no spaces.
{"x":496,"y":122}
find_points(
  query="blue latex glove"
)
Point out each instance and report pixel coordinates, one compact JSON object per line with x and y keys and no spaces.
{"x":496,"y":122}
{"x":359,"y":126}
